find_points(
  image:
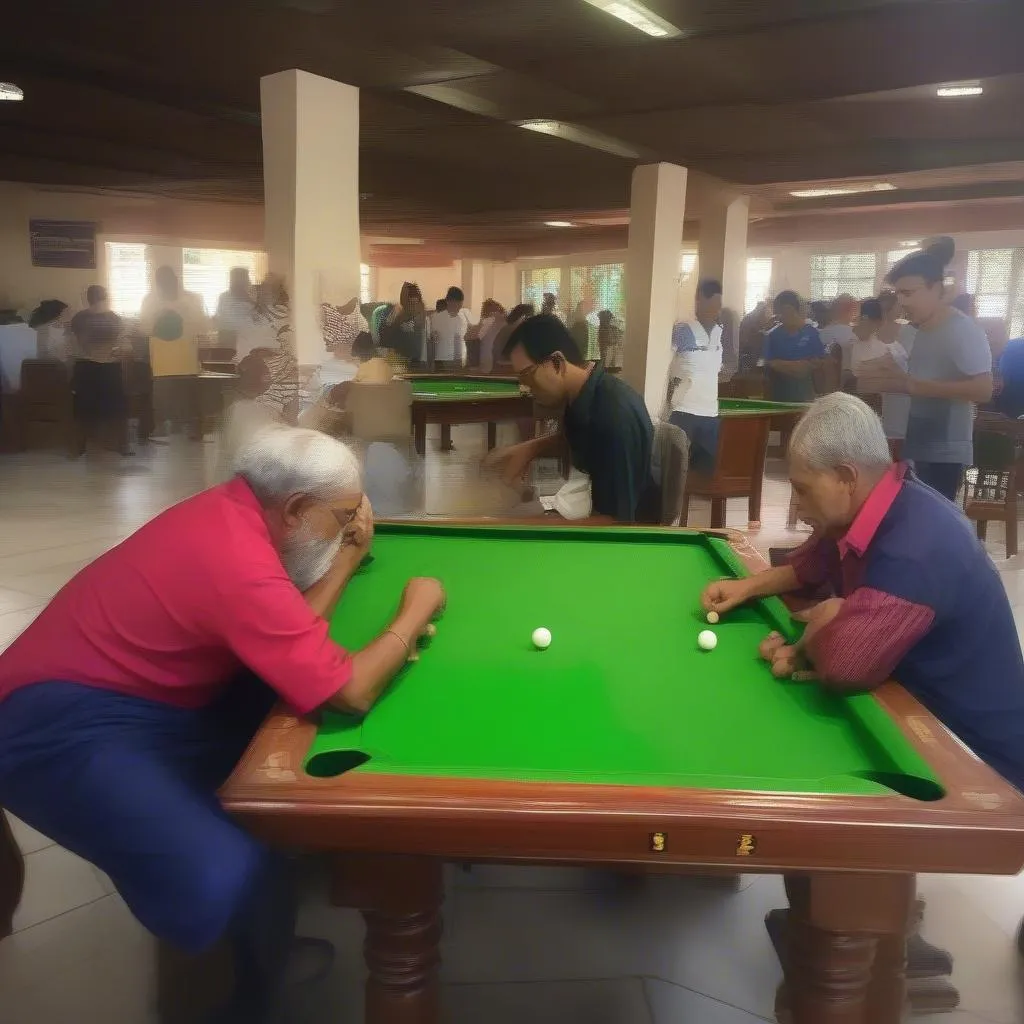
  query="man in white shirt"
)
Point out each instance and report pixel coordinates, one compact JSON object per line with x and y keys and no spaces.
{"x":448,"y":329}
{"x":693,"y":377}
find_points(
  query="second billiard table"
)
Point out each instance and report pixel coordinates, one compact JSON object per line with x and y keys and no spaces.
{"x":622,"y":744}
{"x":452,"y":399}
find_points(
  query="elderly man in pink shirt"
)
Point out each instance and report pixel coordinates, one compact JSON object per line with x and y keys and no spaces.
{"x":128,"y":701}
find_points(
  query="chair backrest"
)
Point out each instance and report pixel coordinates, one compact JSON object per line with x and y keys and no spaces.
{"x":44,"y":382}
{"x":670,"y":461}
{"x":381,"y":412}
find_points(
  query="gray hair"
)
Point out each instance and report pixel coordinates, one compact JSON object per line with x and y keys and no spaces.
{"x":278,"y":461}
{"x":840,"y":430}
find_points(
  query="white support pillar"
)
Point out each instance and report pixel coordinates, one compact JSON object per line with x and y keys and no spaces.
{"x":657,"y":206}
{"x":473,"y":287}
{"x":311,"y":196}
{"x":723,"y":249}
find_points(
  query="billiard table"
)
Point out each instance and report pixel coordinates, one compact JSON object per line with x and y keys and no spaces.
{"x":744,"y":426}
{"x":451,"y":399}
{"x":621,"y":745}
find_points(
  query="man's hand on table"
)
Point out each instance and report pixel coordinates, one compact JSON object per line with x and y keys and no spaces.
{"x":422,"y":601}
{"x":510,"y":463}
{"x":722,"y":596}
{"x":789,"y":661}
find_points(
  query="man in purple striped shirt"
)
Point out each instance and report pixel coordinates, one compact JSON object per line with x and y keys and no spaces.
{"x":916,"y":597}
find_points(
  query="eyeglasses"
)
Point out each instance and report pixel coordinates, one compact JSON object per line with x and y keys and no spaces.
{"x":344,"y":516}
{"x":527,"y":374}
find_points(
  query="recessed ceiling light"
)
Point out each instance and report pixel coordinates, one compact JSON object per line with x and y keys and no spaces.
{"x":9,"y":91}
{"x":642,"y":19}
{"x":583,"y":136}
{"x":957,"y":89}
{"x":558,"y":224}
{"x":841,"y":190}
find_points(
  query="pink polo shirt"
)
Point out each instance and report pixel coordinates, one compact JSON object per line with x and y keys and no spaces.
{"x":176,"y":610}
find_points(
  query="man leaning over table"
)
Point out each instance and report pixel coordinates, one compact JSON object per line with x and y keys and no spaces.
{"x":916,"y":597}
{"x":128,"y":701}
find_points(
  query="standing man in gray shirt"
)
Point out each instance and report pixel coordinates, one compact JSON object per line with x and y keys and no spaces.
{"x":949,"y":372}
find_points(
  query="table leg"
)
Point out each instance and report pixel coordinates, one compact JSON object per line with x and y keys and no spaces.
{"x":492,"y":435}
{"x":400,"y":898}
{"x":845,"y":948}
{"x":12,"y":876}
{"x":420,"y":432}
{"x":446,"y":437}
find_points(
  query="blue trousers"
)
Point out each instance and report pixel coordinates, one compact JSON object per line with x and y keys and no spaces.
{"x":703,"y":434}
{"x":130,"y":785}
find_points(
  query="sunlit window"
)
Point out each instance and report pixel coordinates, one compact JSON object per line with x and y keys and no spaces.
{"x":127,"y":276}
{"x":759,"y":282}
{"x":207,"y":271}
{"x":851,"y":273}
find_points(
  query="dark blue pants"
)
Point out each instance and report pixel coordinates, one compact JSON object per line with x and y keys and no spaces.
{"x":944,"y":477}
{"x":703,"y":434}
{"x":131,"y":786}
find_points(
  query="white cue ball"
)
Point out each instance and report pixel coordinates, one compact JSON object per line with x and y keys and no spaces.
{"x":712,"y":618}
{"x":706,"y":640}
{"x":541,"y":638}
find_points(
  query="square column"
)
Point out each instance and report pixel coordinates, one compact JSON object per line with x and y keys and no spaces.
{"x":473,"y":287}
{"x":311,"y":196}
{"x":722,"y":251}
{"x":657,"y":207}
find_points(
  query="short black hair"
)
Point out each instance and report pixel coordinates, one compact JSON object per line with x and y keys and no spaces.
{"x":871,"y":309}
{"x":709,"y":289}
{"x":929,"y":263}
{"x":455,"y":295}
{"x":541,"y":337}
{"x":363,"y":347}
{"x":95,"y":293}
{"x":439,"y":305}
{"x":786,"y":300}
{"x":523,"y":309}
{"x":821,"y":314}
{"x":966,"y":303}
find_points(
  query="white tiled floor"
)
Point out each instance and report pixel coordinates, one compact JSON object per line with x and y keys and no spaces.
{"x":555,"y":946}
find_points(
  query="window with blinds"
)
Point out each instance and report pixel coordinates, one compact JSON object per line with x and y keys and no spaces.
{"x":852,"y":273}
{"x":127,"y":276}
{"x":604,"y":285}
{"x":207,"y":271}
{"x":535,"y":282}
{"x":990,"y":274}
{"x":759,"y":282}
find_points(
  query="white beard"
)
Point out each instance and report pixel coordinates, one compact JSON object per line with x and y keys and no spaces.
{"x":307,"y":559}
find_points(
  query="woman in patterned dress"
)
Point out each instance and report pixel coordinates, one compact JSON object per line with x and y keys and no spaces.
{"x":280,"y":369}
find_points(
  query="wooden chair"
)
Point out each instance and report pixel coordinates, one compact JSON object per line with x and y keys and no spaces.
{"x":670,"y":464}
{"x":380,"y":412}
{"x":994,"y":480}
{"x":43,"y":405}
{"x":739,"y":470}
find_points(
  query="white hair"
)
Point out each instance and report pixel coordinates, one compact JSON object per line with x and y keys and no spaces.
{"x":278,"y":461}
{"x":840,"y":430}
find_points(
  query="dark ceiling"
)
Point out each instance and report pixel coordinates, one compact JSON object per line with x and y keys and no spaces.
{"x":760,"y":94}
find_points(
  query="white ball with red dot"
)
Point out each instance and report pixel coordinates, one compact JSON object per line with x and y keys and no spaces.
{"x":706,"y":640}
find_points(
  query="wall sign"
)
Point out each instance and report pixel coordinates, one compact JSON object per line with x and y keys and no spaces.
{"x":63,"y":243}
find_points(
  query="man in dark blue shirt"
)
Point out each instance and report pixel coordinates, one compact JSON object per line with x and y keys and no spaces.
{"x":606,"y":424}
{"x":792,"y":352}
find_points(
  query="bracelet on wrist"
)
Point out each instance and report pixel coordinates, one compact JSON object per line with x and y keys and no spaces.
{"x":397,"y":635}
